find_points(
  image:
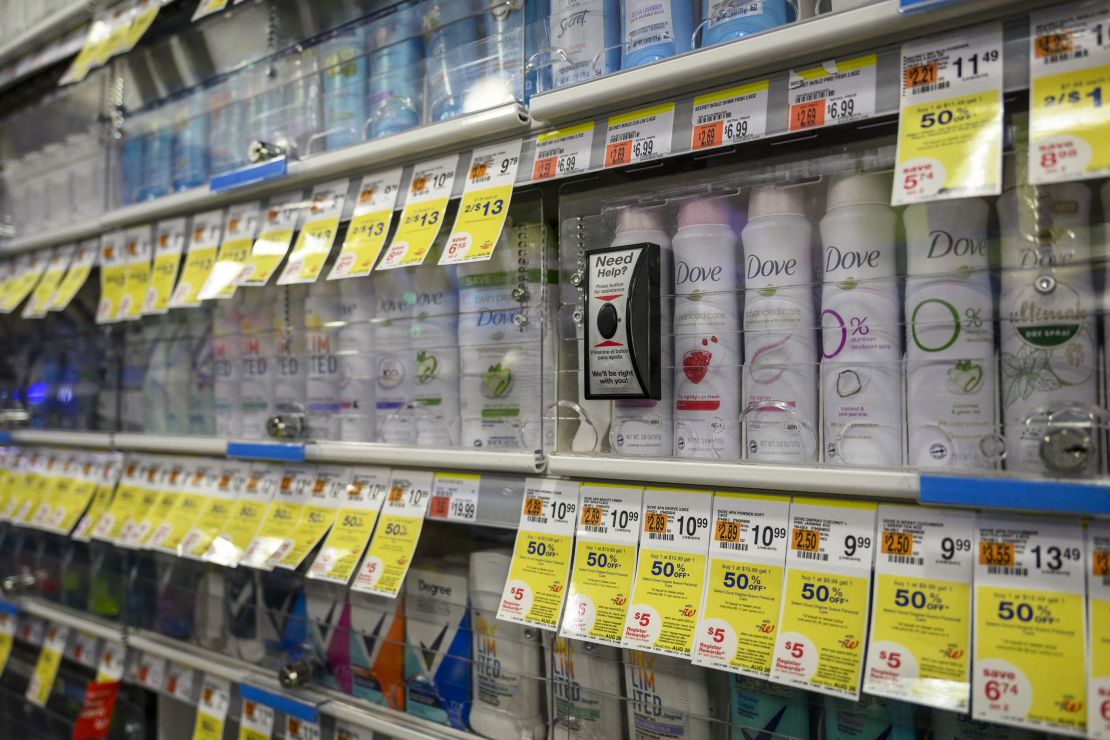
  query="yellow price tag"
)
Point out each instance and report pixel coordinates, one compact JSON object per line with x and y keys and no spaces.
{"x":113,"y":277}
{"x":8,"y":617}
{"x":46,"y":667}
{"x":317,"y":236}
{"x":55,"y":270}
{"x":245,"y":520}
{"x":215,"y":696}
{"x":238,"y":236}
{"x":168,"y":243}
{"x":485,"y":204}
{"x":200,"y":258}
{"x":950,"y":119}
{"x":208,"y":7}
{"x":422,"y":217}
{"x":354,"y":523}
{"x":80,"y":268}
{"x":389,"y":556}
{"x":28,"y":270}
{"x":217,"y":508}
{"x":145,"y":13}
{"x":1098,"y":616}
{"x":743,"y":591}
{"x":282,"y":517}
{"x":278,"y":223}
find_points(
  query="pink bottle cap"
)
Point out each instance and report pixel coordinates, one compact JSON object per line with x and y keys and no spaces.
{"x":705,"y":211}
{"x":639,"y":219}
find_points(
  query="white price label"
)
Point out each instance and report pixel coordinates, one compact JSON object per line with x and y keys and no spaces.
{"x":730,"y":116}
{"x":563,"y":152}
{"x":639,"y":136}
{"x":455,"y":497}
{"x":833,"y":92}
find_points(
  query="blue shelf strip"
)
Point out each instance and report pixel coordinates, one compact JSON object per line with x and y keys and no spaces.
{"x":251,"y":175}
{"x":1058,"y":497}
{"x":279,"y":702}
{"x":269,"y":451}
{"x":5,"y":438}
{"x":8,"y":607}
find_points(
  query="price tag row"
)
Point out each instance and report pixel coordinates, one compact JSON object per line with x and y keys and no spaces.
{"x":830,"y":596}
{"x":362,"y":523}
{"x":111,"y":32}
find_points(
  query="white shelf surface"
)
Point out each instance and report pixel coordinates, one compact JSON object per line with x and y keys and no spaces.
{"x":169,"y":444}
{"x":80,"y":621}
{"x":60,"y":438}
{"x":442,"y":458}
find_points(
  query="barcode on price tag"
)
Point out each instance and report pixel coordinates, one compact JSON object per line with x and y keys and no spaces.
{"x":730,"y":116}
{"x":639,"y":136}
{"x":834,"y":92}
{"x":563,"y":152}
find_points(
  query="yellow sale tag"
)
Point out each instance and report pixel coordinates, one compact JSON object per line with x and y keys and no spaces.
{"x":950,"y":118}
{"x":56,"y":265}
{"x":8,"y":614}
{"x":169,"y":240}
{"x":1098,"y":618}
{"x":80,"y":268}
{"x":215,"y":696}
{"x":185,"y":508}
{"x":670,"y":572}
{"x":919,"y":649}
{"x":146,"y":494}
{"x":217,"y":509}
{"x":145,"y":13}
{"x":256,"y":721}
{"x":238,"y":236}
{"x":389,"y":556}
{"x":117,"y":33}
{"x":1030,"y":624}
{"x":113,"y":277}
{"x":354,"y":523}
{"x":422,"y":217}
{"x":537,"y":582}
{"x":743,"y":591}
{"x":279,"y":221}
{"x":1069,"y":69}
{"x":369,"y":225}
{"x":282,"y":517}
{"x":485,"y":204}
{"x":823,"y":624}
{"x":604,"y":562}
{"x":46,"y":667}
{"x":246,"y":517}
{"x":91,"y":50}
{"x":317,"y":236}
{"x":28,"y":271}
{"x":208,"y":7}
{"x":320,"y":508}
{"x":204,"y":239}
{"x":80,"y":495}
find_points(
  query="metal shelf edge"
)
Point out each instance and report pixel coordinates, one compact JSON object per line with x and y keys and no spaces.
{"x":169,"y":444}
{"x":786,"y":478}
{"x":80,"y":622}
{"x":442,"y":458}
{"x":189,"y":655}
{"x":92,"y":440}
{"x":54,"y":24}
{"x":796,"y":43}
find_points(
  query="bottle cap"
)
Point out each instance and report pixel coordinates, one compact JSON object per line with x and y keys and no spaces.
{"x":639,"y":219}
{"x":770,"y":200}
{"x":705,"y":211}
{"x":856,"y":190}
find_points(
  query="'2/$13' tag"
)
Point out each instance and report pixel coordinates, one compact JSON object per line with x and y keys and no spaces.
{"x":1098,"y":617}
{"x":825,"y":600}
{"x":1030,"y":624}
{"x":275,"y":234}
{"x":80,"y":267}
{"x":138,"y":245}
{"x":950,"y":117}
{"x":484,"y":205}
{"x":169,"y":240}
{"x":200,"y":257}
{"x":743,"y":592}
{"x":354,"y":523}
{"x":390,"y":553}
{"x":235,"y":248}
{"x":377,"y":196}
{"x":670,"y":571}
{"x":422,"y":217}
{"x":537,"y":582}
{"x":317,"y":236}
{"x":604,"y":562}
{"x":920,"y":644}
{"x":1069,"y":69}
{"x":56,"y":265}
{"x":113,"y":276}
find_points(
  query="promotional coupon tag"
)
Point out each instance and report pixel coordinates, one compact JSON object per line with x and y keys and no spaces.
{"x":537,"y":582}
{"x":484,"y":205}
{"x":320,"y":508}
{"x":1030,"y":624}
{"x":150,"y":672}
{"x":282,"y":516}
{"x":95,"y":39}
{"x":455,"y":497}
{"x":743,"y":592}
{"x":256,"y":722}
{"x":950,"y":117}
{"x":168,"y":494}
{"x":81,"y":491}
{"x":279,"y":221}
{"x":422,"y":217}
{"x":169,"y":241}
{"x":730,"y":116}
{"x":639,"y":136}
{"x":110,"y":525}
{"x":297,"y":729}
{"x":84,"y":649}
{"x":246,"y":517}
{"x":113,"y":276}
{"x":377,"y":196}
{"x":1069,"y":67}
{"x":831,"y":93}
{"x":143,"y":15}
{"x":180,"y":682}
{"x":29,"y":269}
{"x":823,"y":626}
{"x":8,"y":614}
{"x":145,"y":493}
{"x":218,"y":507}
{"x":606,"y":537}
{"x":207,"y":8}
{"x":107,"y":476}
{"x":354,"y":523}
{"x":390,"y":553}
{"x":1098,"y":617}
{"x":315,"y":240}
{"x":80,"y":267}
{"x":138,"y":244}
{"x":670,"y":571}
{"x":919,"y":649}
{"x":113,"y":661}
{"x":215,"y":696}
{"x":188,"y":505}
{"x":46,"y":667}
{"x":204,"y":239}
{"x":240,"y":226}
{"x":56,"y":264}
{"x":563,"y":152}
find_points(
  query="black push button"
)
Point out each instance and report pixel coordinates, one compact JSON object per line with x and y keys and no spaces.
{"x":607,"y":321}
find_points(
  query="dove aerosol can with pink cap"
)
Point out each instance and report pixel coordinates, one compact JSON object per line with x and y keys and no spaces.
{"x":780,"y":334}
{"x":861,"y":331}
{"x":644,"y":427}
{"x":951,"y":373}
{"x":706,"y":332}
{"x":1049,"y":367}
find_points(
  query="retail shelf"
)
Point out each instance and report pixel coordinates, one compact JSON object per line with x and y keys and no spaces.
{"x":386,"y":721}
{"x":457,"y":135}
{"x":440,"y":458}
{"x":90,"y":440}
{"x":179,"y":445}
{"x":815,"y":40}
{"x":49,"y":27}
{"x":892,"y":484}
{"x":80,"y":621}
{"x":198,"y":658}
